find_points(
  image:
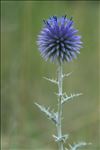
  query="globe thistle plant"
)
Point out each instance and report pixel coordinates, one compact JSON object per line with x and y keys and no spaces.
{"x":59,"y":42}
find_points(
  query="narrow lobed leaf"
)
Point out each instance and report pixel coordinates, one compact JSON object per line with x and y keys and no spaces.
{"x":62,"y":138}
{"x":66,"y":75}
{"x":66,"y":98}
{"x":50,"y":114}
{"x":76,"y":146}
{"x":51,"y":80}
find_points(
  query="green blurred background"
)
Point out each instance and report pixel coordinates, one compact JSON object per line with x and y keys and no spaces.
{"x":24,"y":127}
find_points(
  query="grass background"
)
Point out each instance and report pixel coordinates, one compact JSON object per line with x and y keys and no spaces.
{"x":22,"y":68}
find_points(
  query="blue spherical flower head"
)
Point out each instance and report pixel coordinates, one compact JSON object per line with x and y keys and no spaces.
{"x":58,"y":40}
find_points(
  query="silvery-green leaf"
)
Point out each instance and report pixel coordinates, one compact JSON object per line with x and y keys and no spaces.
{"x":66,"y":98}
{"x":66,"y":75}
{"x":51,"y":80}
{"x":76,"y":146}
{"x":50,"y":114}
{"x":62,"y":138}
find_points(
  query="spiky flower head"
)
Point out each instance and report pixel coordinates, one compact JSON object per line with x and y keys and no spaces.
{"x":58,"y":40}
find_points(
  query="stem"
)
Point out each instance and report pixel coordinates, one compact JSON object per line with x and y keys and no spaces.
{"x":59,"y":125}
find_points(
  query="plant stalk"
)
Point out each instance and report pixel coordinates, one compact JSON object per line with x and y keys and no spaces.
{"x":59,"y":125}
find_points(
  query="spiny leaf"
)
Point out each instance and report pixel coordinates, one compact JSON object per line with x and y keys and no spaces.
{"x":51,"y":80}
{"x":65,"y":97}
{"x":76,"y":146}
{"x":62,"y":138}
{"x":50,"y":114}
{"x":66,"y":75}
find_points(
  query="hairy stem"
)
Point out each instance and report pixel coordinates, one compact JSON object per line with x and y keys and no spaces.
{"x":59,"y":125}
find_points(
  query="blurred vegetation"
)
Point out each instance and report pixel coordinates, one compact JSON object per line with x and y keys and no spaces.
{"x":22,"y":69}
